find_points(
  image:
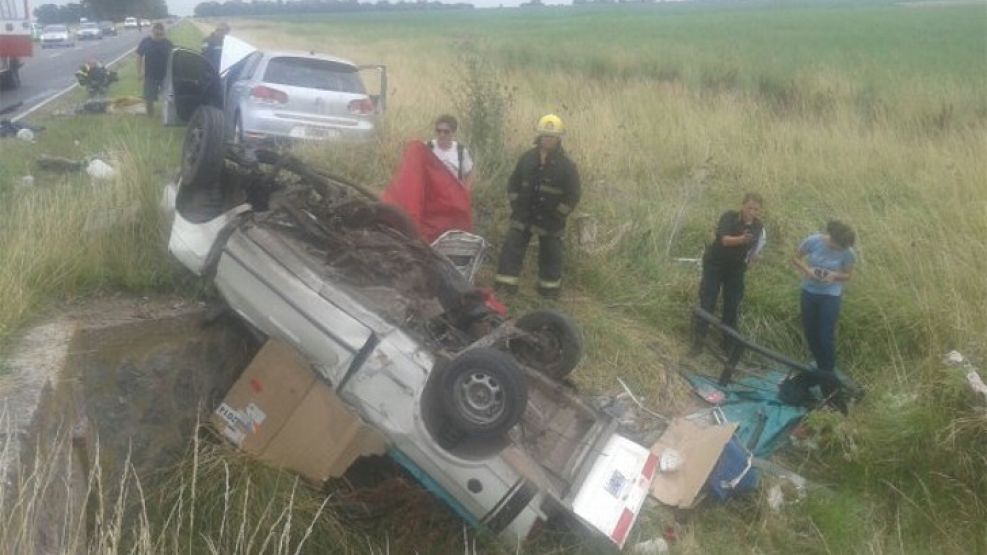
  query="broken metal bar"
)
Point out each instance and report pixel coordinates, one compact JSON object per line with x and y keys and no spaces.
{"x":748,"y":344}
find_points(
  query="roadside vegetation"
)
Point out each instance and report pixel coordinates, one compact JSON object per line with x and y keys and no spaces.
{"x":875,"y":114}
{"x":55,"y":243}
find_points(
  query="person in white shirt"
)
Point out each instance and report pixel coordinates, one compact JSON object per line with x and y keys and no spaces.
{"x":455,"y":156}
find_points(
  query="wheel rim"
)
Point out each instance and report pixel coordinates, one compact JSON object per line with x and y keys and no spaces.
{"x":192,"y":144}
{"x":480,"y":397}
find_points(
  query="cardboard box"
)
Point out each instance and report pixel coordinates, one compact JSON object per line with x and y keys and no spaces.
{"x":700,"y":448}
{"x":280,"y":412}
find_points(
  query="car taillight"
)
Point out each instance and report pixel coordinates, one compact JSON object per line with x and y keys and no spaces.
{"x":361,"y":107}
{"x":261,"y":93}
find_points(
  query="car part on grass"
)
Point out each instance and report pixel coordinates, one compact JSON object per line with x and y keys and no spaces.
{"x":483,"y":392}
{"x":554,"y":344}
{"x":465,"y":250}
{"x":59,"y":164}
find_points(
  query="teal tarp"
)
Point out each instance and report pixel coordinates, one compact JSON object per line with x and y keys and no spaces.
{"x":746,"y":400}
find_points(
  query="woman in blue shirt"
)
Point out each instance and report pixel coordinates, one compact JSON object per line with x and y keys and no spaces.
{"x":825,"y":262}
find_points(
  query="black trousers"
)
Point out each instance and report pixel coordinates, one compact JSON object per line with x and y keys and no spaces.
{"x":550,"y":250}
{"x":729,"y":278}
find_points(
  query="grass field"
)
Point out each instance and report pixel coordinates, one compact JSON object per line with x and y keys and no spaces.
{"x":873,"y":113}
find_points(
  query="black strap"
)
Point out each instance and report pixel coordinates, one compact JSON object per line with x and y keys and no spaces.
{"x":459,"y":152}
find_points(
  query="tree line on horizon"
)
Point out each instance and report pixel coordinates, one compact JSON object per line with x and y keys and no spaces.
{"x":100,"y":10}
{"x":233,"y":8}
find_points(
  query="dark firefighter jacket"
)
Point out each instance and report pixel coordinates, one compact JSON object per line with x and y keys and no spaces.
{"x":543,"y":196}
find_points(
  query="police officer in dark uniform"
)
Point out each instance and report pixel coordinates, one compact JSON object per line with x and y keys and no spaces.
{"x":738,"y":241}
{"x":543,"y":191}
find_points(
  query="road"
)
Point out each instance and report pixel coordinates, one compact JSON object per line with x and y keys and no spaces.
{"x":51,"y":70}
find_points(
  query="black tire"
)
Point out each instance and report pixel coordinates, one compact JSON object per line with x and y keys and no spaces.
{"x":483,"y":392}
{"x":12,"y":80}
{"x":204,"y":149}
{"x":558,"y":345}
{"x":380,"y":214}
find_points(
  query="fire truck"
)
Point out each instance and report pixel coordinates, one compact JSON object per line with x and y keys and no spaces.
{"x":15,"y":40}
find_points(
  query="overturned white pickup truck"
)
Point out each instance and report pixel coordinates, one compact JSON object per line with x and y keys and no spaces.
{"x":471,"y":403}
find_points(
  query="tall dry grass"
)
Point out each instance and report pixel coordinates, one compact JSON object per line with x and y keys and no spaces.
{"x":668,"y":137}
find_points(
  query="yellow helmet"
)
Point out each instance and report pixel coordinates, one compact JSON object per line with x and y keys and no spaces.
{"x":551,"y":124}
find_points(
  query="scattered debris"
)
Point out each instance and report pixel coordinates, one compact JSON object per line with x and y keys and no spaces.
{"x":100,"y":170}
{"x":59,"y":164}
{"x":27,"y":181}
{"x":775,"y":497}
{"x":117,"y":105}
{"x":654,"y":546}
{"x":700,"y":448}
{"x":19,"y":129}
{"x":957,"y":360}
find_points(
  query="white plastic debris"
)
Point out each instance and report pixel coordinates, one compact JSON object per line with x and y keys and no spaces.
{"x":977,"y":383}
{"x":26,"y":135}
{"x":955,"y":358}
{"x":98,"y":169}
{"x":776,"y":498}
{"x":671,"y":460}
{"x":27,"y":181}
{"x":654,"y":546}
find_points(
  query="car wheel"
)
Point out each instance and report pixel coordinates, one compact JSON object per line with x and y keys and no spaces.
{"x":203,"y":149}
{"x":555,"y":346}
{"x":483,"y":392}
{"x":379,"y":214}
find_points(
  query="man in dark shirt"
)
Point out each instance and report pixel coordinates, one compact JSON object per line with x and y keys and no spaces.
{"x":152,"y":63}
{"x":212,"y":47}
{"x":739,"y":239}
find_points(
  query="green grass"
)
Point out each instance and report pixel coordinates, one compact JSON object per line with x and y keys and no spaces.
{"x":873,"y":113}
{"x":50,"y":247}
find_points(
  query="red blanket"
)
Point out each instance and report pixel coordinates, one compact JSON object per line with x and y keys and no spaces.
{"x":428,"y":192}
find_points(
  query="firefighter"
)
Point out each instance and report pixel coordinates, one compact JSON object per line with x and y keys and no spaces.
{"x":543,"y":191}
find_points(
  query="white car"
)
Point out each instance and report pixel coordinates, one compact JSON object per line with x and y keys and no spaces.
{"x":89,"y":31}
{"x":56,"y":35}
{"x":284,"y":96}
{"x":131,"y":23}
{"x":473,"y":405}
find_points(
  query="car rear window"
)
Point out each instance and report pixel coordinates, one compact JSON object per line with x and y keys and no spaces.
{"x":314,"y":74}
{"x":55,"y":29}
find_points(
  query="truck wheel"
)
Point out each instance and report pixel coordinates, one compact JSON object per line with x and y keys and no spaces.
{"x":483,"y":392}
{"x":203,"y":149}
{"x":557,"y":346}
{"x":12,"y":79}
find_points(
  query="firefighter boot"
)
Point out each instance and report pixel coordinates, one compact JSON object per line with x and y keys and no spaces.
{"x":511,"y":259}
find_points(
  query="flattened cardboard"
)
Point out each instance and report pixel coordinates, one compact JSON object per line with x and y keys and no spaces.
{"x":279,"y":412}
{"x":700,"y":447}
